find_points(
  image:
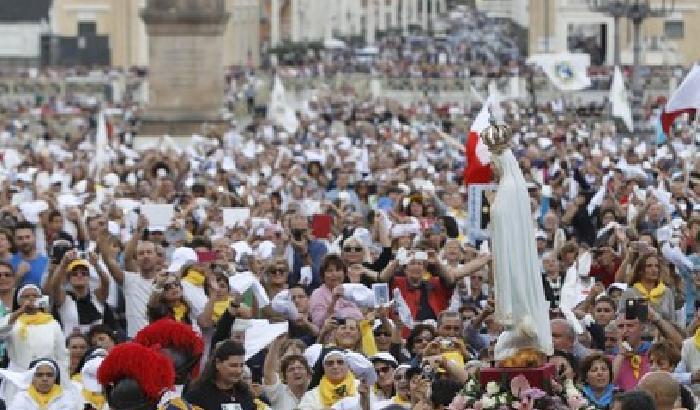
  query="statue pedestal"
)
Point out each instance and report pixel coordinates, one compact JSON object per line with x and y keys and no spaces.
{"x":535,"y":376}
{"x":185,"y":75}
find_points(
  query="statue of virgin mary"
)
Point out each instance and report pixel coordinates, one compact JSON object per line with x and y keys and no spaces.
{"x":519,"y":295}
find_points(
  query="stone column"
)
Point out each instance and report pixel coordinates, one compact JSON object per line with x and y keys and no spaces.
{"x":382,"y":15}
{"x":424,"y":15}
{"x":404,"y":15}
{"x":294,"y":18}
{"x":370,"y":23}
{"x":395,"y":14}
{"x":274,"y":23}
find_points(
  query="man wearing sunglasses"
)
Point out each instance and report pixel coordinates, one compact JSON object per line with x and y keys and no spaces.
{"x":79,"y":307}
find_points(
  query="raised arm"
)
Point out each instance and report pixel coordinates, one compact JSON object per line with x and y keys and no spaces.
{"x":110,"y":261}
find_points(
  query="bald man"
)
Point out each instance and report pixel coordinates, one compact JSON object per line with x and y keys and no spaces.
{"x":662,"y":387}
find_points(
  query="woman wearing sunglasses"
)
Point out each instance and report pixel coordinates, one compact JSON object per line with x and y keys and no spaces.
{"x":79,"y":307}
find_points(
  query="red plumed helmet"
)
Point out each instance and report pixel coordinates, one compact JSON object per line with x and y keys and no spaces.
{"x":152,"y":371}
{"x":176,"y":340}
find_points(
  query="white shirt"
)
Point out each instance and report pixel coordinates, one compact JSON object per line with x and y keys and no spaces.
{"x":69,"y":314}
{"x":67,"y":400}
{"x":137,"y":291}
{"x":280,"y":395}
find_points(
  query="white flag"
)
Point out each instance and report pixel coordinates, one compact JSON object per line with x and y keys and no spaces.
{"x":101,"y":156}
{"x":567,"y":71}
{"x":620,"y":101}
{"x":687,"y":95}
{"x":279,"y":111}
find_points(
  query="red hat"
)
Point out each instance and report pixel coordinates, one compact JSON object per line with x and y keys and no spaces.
{"x":134,"y":375}
{"x":177,"y":341}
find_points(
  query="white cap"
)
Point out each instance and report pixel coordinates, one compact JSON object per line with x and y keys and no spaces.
{"x":384,"y":357}
{"x":181,"y":257}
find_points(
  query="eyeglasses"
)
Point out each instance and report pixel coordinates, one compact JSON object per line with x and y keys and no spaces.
{"x":383,"y":369}
{"x":278,"y":272}
{"x":169,"y":286}
{"x":385,"y":334}
{"x":332,"y":363}
{"x":352,"y":249}
{"x":422,"y":340}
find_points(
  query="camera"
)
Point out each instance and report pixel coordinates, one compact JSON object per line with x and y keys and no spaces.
{"x":42,"y":303}
{"x":636,"y":309}
{"x":297,"y":234}
{"x":59,"y":249}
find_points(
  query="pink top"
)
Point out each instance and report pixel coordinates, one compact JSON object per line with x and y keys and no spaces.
{"x":625,"y":379}
{"x":321,"y":299}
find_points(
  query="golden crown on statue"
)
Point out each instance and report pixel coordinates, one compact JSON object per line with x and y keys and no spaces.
{"x":497,"y":137}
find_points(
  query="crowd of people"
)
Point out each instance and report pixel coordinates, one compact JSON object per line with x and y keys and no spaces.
{"x":335,"y":265}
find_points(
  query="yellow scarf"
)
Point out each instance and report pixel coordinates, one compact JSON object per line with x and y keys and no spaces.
{"x":635,"y":363}
{"x":179,"y":311}
{"x":219,"y":309}
{"x":97,"y":400}
{"x":369,"y":345}
{"x":330,"y":393}
{"x":696,"y":338}
{"x":398,"y":400}
{"x":194,"y":277}
{"x":653,"y":295}
{"x":25,"y":320}
{"x":43,"y":399}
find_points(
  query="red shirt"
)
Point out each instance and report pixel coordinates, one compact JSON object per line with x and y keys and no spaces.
{"x":437,"y":293}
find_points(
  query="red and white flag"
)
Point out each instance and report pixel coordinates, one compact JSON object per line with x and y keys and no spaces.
{"x":478,"y":169}
{"x":686,"y":99}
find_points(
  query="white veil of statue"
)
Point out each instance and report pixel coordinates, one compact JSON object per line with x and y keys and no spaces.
{"x":519,"y":294}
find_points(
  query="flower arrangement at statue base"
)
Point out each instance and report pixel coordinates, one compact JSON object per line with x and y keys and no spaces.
{"x":519,"y":395}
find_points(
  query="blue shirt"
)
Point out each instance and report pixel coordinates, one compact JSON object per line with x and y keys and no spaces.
{"x":37,"y":269}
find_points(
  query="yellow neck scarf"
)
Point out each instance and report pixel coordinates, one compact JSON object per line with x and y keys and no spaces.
{"x":653,"y":295}
{"x":398,"y":400}
{"x":330,"y":393}
{"x":179,"y":311}
{"x":636,"y":363}
{"x":43,"y":399}
{"x":219,"y":309}
{"x":696,"y":338}
{"x":25,"y":320}
{"x":97,"y":400}
{"x":194,"y":277}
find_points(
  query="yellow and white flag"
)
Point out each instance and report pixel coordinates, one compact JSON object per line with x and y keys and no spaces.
{"x":567,"y":71}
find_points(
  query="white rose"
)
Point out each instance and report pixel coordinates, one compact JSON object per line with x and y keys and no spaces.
{"x":488,"y":402}
{"x":503,"y":398}
{"x":492,"y":388}
{"x":470,"y":384}
{"x":572,"y":393}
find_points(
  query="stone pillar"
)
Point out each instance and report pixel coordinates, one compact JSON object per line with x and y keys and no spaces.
{"x":185,"y":54}
{"x":274,"y":23}
{"x":395,"y":14}
{"x":295,"y":23}
{"x":370,"y":29}
{"x":382,"y":15}
{"x":424,"y":15}
{"x":405,"y":4}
